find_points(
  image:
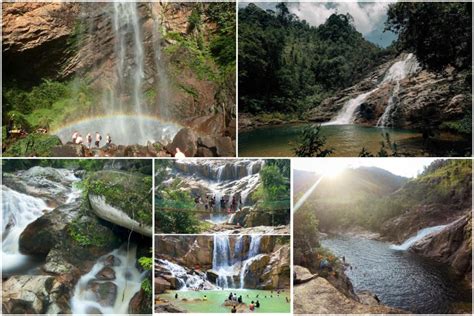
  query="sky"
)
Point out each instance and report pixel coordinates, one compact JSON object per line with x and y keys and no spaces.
{"x":369,"y":17}
{"x":406,"y":167}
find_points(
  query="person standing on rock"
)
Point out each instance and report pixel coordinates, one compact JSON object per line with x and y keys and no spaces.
{"x":108,"y":141}
{"x":89,"y":140}
{"x":98,"y":138}
{"x":74,"y":137}
{"x":79,"y":140}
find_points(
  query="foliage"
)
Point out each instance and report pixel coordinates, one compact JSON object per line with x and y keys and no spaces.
{"x":311,"y":143}
{"x":129,"y":192}
{"x":88,"y":233}
{"x":147,"y":287}
{"x":146,"y":263}
{"x":440,"y":34}
{"x":33,"y":145}
{"x":288,"y":66}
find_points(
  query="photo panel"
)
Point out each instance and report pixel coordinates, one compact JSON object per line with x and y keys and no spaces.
{"x":224,"y":196}
{"x":77,"y":236}
{"x":119,"y":79}
{"x":349,"y":79}
{"x":222,"y":273}
{"x":382,"y":235}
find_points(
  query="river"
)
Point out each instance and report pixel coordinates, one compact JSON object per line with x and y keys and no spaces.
{"x":346,"y":140}
{"x":399,"y":278}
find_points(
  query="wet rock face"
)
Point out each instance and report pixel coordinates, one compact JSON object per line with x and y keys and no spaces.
{"x":277,"y":273}
{"x":452,"y":246}
{"x":105,"y":293}
{"x":140,"y":303}
{"x":106,"y":273}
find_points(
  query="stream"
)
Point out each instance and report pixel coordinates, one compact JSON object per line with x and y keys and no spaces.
{"x":399,"y":278}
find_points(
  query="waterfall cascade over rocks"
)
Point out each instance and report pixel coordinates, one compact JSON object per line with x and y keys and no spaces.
{"x":397,"y":72}
{"x":110,"y":285}
{"x":419,"y":235}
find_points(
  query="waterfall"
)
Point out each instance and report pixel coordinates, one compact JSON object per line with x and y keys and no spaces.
{"x":19,"y":210}
{"x":100,"y":293}
{"x":126,"y":26}
{"x":419,"y":235}
{"x":238,"y":247}
{"x":397,"y":72}
{"x":400,"y":70}
{"x":184,"y":280}
{"x":254,"y":250}
{"x":222,"y":262}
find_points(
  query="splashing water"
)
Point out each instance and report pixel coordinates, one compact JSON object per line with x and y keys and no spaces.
{"x":108,"y":296}
{"x":419,"y":235}
{"x":398,"y":71}
{"x":254,"y":250}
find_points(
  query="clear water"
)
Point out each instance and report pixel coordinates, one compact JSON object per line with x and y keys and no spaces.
{"x":346,"y":140}
{"x":123,"y":129}
{"x":276,"y":304}
{"x":399,"y":278}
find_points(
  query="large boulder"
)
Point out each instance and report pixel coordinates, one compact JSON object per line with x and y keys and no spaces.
{"x":451,"y":246}
{"x":302,"y":275}
{"x":104,"y":293}
{"x":318,"y":296}
{"x":276,"y":274}
{"x":141,"y":303}
{"x":161,"y":285}
{"x":186,"y":141}
{"x":254,"y":271}
{"x":68,"y":150}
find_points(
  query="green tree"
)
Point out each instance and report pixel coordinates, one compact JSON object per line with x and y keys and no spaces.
{"x":312,"y":143}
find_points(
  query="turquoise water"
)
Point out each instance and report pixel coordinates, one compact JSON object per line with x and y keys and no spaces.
{"x":270,"y":302}
{"x":346,"y":140}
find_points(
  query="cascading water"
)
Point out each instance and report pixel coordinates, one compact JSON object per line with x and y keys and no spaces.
{"x":125,"y":115}
{"x":419,"y":235}
{"x":19,"y":210}
{"x":254,"y":250}
{"x":185,"y":281}
{"x":397,"y":72}
{"x":222,"y":262}
{"x":108,"y":293}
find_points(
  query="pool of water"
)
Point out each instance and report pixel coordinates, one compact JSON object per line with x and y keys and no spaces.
{"x":270,"y":302}
{"x":123,"y":129}
{"x":399,"y":278}
{"x":345,"y":140}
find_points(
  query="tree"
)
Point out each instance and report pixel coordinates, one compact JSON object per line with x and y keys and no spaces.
{"x":312,"y":143}
{"x":440,"y":34}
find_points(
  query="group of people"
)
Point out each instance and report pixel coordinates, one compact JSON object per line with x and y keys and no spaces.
{"x":77,"y":139}
{"x":239,"y":300}
{"x":209,"y":202}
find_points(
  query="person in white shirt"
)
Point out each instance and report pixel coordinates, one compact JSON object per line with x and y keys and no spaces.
{"x":98,"y":138}
{"x":89,"y":140}
{"x":79,"y":139}
{"x":74,"y":137}
{"x":108,"y":140}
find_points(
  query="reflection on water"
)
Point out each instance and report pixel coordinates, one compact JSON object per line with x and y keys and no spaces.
{"x":399,"y":278}
{"x":346,"y":140}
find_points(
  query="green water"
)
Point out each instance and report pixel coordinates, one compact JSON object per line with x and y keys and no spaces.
{"x":345,"y":140}
{"x":216,"y":298}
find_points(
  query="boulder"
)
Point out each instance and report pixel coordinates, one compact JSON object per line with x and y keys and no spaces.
{"x":276,"y":274}
{"x":318,"y":296}
{"x":225,"y":147}
{"x":106,"y":273}
{"x":141,"y":303}
{"x":105,"y":293}
{"x":186,"y":141}
{"x":254,"y":270}
{"x":451,"y":246}
{"x":68,"y":150}
{"x":302,"y":275}
{"x":161,"y":285}
{"x":212,"y":276}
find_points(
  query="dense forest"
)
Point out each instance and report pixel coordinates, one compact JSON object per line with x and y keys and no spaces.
{"x":287,"y":66}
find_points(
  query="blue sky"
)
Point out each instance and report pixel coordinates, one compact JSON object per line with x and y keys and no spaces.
{"x":369,"y":17}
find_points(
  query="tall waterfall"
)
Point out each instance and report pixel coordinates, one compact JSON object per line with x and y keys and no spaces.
{"x":397,"y":72}
{"x":419,"y":235}
{"x":222,"y":262}
{"x":19,"y":210}
{"x":98,"y":292}
{"x":254,"y":250}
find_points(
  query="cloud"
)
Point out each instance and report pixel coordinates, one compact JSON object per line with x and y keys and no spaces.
{"x":367,"y":16}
